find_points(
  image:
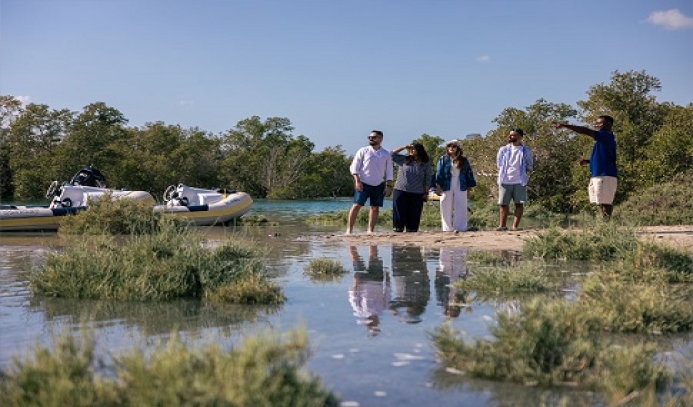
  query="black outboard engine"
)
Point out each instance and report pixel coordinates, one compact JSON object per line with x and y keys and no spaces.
{"x":89,"y":177}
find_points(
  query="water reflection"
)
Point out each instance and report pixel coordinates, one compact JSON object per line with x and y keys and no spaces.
{"x":412,"y":284}
{"x":389,"y":295}
{"x":370,"y":293}
{"x":503,"y":394}
{"x":153,"y":318}
{"x":451,"y":268}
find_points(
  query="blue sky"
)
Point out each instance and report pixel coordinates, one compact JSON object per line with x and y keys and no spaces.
{"x":337,"y":69}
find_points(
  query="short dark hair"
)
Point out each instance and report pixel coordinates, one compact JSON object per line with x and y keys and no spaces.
{"x":377,"y":132}
{"x":518,"y":131}
{"x":607,"y":119}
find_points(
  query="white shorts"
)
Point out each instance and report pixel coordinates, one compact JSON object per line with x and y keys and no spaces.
{"x":602,"y":190}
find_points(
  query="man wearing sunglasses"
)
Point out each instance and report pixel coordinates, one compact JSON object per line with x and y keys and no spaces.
{"x":373,"y":173}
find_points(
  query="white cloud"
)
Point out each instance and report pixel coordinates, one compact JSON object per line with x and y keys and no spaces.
{"x":186,"y":102}
{"x":483,"y":58}
{"x":671,"y":19}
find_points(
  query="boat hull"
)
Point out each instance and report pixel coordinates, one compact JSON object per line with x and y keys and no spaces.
{"x":231,"y":207}
{"x":28,"y":218}
{"x":207,"y":208}
{"x":37,"y":218}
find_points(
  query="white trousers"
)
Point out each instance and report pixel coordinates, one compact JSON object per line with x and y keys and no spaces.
{"x":453,"y":203}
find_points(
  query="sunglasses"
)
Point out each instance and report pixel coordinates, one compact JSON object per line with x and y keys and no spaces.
{"x":372,"y":137}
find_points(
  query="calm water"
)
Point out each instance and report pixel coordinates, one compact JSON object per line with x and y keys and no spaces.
{"x":368,"y":329}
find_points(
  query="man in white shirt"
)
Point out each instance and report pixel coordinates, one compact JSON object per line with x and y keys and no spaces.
{"x":514,"y":161}
{"x":372,"y":172}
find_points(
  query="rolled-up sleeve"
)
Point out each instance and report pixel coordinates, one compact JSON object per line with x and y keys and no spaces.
{"x":356,"y":163}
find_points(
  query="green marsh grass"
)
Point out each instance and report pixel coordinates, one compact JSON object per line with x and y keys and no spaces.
{"x":173,"y":263}
{"x":637,"y":287}
{"x":488,"y":258}
{"x":525,"y":277}
{"x":637,"y":307}
{"x":632,"y":378}
{"x":324,"y":270}
{"x":263,"y":371}
{"x":666,"y":203}
{"x":673,"y":264}
{"x":552,"y":343}
{"x":603,"y":241}
{"x":642,"y":287}
{"x":255,"y":220}
{"x":546,"y":343}
{"x":113,"y":217}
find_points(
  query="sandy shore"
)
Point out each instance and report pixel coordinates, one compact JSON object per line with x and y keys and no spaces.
{"x":680,"y":236}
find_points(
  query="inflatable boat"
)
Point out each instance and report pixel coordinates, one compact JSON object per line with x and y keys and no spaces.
{"x":432,"y":196}
{"x":68,"y":198}
{"x":204,"y":207}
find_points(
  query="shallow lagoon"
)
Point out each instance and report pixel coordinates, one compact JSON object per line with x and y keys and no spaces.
{"x":368,"y":329}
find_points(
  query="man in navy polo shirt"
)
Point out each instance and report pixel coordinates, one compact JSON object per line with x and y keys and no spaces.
{"x":602,"y":162}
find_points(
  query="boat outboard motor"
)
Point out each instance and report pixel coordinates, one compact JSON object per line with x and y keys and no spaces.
{"x":178,"y":200}
{"x":89,"y":177}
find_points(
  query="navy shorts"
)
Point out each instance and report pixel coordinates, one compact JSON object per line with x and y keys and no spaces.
{"x":376,"y":194}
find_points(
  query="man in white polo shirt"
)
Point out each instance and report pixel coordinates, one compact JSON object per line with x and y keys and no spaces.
{"x":372,"y":172}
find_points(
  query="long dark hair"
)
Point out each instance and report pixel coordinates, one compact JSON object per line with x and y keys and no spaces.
{"x":420,"y":153}
{"x":459,"y":158}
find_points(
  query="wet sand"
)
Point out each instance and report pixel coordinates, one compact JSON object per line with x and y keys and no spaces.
{"x":679,"y":236}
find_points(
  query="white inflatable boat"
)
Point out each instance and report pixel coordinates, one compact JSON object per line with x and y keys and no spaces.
{"x":204,"y":207}
{"x":66,"y":199}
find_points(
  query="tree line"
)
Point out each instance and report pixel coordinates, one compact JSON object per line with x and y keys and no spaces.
{"x":264,"y":158}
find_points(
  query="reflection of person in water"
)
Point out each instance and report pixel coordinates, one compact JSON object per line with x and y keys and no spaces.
{"x":412,"y":285}
{"x":370,"y":293}
{"x":451,"y":269}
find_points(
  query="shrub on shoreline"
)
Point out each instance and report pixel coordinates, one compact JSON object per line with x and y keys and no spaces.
{"x":667,"y":203}
{"x":263,"y":370}
{"x":324,"y":266}
{"x":602,"y":241}
{"x":623,"y":305}
{"x":324,"y":270}
{"x":553,"y":343}
{"x":638,"y":287}
{"x":173,"y":263}
{"x":526,"y":277}
{"x":113,"y":217}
